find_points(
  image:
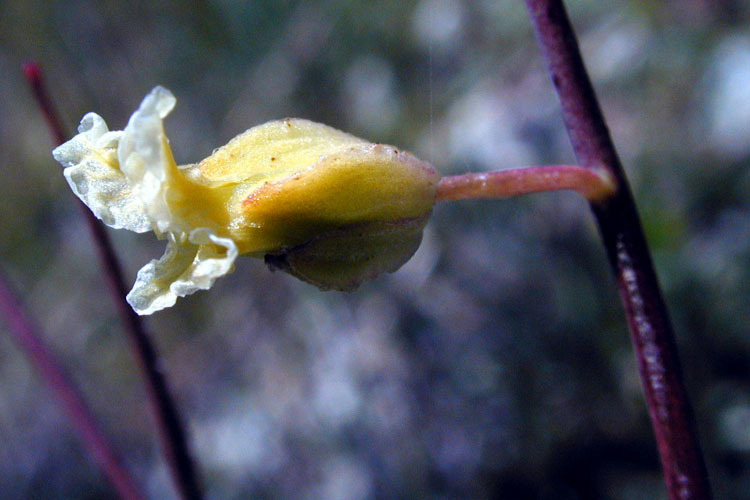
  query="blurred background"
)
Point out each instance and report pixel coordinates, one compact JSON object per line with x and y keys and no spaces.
{"x":496,"y":363}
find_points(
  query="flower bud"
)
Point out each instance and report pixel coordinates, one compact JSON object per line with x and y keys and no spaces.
{"x":325,"y":206}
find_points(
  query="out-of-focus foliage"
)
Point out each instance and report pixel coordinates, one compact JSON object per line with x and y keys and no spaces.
{"x":496,"y":364}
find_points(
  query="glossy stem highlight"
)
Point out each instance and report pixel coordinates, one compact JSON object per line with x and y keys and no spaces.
{"x":651,"y":330}
{"x":170,"y":429}
{"x":591,"y":184}
{"x":24,"y":333}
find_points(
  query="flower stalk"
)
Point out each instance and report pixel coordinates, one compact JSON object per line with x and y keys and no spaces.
{"x":170,"y":430}
{"x":594,"y":185}
{"x":651,"y":330}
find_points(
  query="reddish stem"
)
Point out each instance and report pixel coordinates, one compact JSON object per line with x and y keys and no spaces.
{"x":591,"y":184}
{"x":653,"y":338}
{"x":169,"y":426}
{"x":26,"y":337}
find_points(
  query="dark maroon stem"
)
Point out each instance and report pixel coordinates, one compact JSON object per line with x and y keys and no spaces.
{"x":24,"y":333}
{"x":653,"y":338}
{"x":169,"y":426}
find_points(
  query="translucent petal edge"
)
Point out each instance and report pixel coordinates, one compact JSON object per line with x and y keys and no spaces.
{"x":185,"y":268}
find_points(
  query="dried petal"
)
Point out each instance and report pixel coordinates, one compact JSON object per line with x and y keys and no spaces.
{"x":185,"y":268}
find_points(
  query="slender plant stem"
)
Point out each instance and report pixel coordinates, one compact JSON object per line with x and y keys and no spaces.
{"x":169,"y":425}
{"x":591,"y":184}
{"x":24,"y":333}
{"x":653,"y":338}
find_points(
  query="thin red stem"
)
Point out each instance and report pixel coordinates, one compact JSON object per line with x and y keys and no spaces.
{"x":653,"y":338}
{"x":169,"y":425}
{"x":24,"y":333}
{"x":591,"y":184}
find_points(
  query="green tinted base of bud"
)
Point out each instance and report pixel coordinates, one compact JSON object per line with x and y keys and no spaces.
{"x":344,"y":258}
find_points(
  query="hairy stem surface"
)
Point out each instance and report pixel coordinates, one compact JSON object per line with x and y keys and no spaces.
{"x":169,"y":425}
{"x":653,"y":338}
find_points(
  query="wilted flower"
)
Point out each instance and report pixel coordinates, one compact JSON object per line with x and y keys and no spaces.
{"x":323,"y":205}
